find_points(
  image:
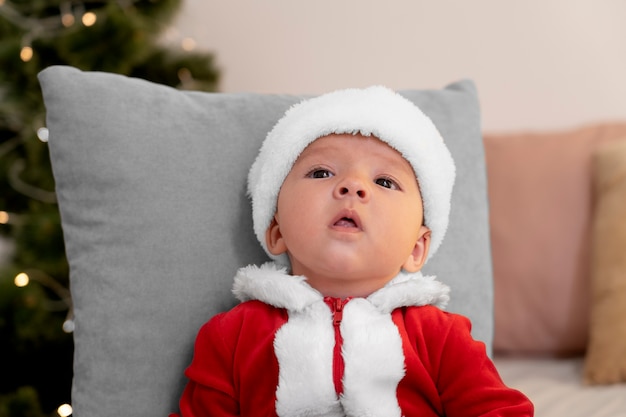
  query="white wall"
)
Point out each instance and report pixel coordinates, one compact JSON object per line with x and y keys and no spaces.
{"x":538,"y":64}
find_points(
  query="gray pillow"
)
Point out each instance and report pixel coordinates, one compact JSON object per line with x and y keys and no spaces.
{"x":151,"y":187}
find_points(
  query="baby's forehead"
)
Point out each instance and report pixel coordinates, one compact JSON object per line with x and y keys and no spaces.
{"x":348,"y":144}
{"x":335,"y":142}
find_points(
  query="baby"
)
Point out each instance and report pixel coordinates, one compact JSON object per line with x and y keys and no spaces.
{"x":351,"y":196}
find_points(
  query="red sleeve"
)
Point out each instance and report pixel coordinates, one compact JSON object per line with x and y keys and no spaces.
{"x":468,"y":382}
{"x":210,"y":390}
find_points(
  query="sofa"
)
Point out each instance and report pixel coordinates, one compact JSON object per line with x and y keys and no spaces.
{"x":151,"y":187}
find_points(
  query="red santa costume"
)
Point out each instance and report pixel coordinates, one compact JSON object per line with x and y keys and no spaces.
{"x":286,"y":350}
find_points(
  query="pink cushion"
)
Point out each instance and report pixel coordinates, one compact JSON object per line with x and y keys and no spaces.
{"x":540,"y":216}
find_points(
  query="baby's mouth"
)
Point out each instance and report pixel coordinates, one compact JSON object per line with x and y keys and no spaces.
{"x":347,"y":219}
{"x":345,"y":222}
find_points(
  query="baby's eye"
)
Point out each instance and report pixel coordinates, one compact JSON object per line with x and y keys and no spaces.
{"x":319,"y":173}
{"x":387,"y":183}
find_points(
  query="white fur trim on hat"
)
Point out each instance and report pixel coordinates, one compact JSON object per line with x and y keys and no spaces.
{"x":374,"y":111}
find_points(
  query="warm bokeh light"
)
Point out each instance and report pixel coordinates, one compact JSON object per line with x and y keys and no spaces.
{"x":65,"y":410}
{"x":21,"y":279}
{"x":89,"y":19}
{"x":26,"y":54}
{"x":4,"y":217}
{"x":42,"y":134}
{"x":67,"y":19}
{"x":68,"y":326}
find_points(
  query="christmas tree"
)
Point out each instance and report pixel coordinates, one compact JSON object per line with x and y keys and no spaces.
{"x":129,"y":37}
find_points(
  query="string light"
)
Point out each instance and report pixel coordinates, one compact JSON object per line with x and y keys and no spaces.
{"x":69,"y":13}
{"x":7,"y":218}
{"x":89,"y":19}
{"x":50,"y":26}
{"x":67,"y":16}
{"x":65,"y":410}
{"x":68,"y":326}
{"x":68,"y":19}
{"x":21,"y":280}
{"x":186,"y":43}
{"x":26,"y":54}
{"x":43,"y":134}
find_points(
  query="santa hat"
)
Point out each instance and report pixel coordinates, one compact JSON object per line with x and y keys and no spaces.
{"x":374,"y":111}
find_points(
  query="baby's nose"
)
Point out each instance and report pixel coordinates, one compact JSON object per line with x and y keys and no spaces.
{"x":352,"y":188}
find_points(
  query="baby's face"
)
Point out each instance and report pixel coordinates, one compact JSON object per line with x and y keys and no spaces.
{"x":349,"y":215}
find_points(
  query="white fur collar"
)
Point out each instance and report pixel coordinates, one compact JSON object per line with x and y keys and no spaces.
{"x":272,"y":284}
{"x":304,"y":345}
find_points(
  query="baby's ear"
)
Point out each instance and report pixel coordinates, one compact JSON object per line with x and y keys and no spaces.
{"x":418,"y":256}
{"x":274,"y":239}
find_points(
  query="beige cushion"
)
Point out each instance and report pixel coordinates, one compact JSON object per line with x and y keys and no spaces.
{"x":605,"y":362}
